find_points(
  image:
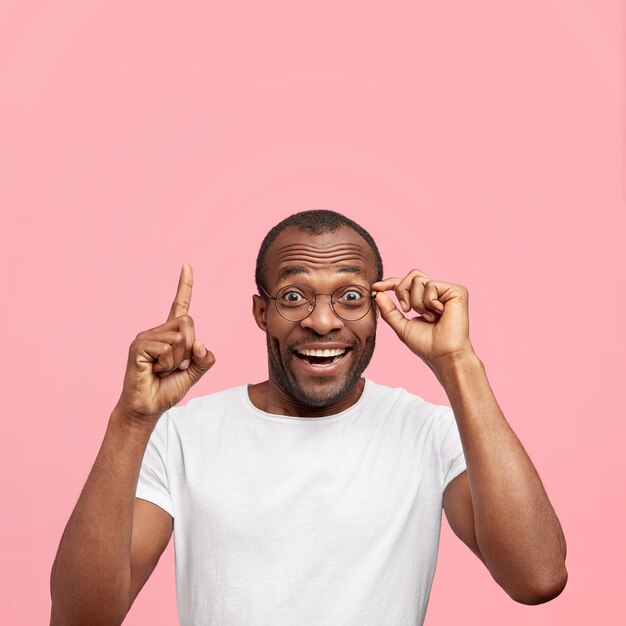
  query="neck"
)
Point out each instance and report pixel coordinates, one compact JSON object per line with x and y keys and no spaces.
{"x":271,"y":398}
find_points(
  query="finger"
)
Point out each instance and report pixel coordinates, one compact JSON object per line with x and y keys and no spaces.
{"x":410,"y":291}
{"x":395,"y":283}
{"x":145,"y":338}
{"x":403,"y":288}
{"x":165,"y":359}
{"x":161,"y":335}
{"x":179,"y":346}
{"x":181,"y":303}
{"x":390,"y":313}
{"x":416,"y":295}
{"x":180,"y":333}
{"x":202,"y":361}
{"x":186,"y":326}
{"x":172,"y":344}
{"x":418,"y":298}
{"x":158,"y":354}
{"x":386,"y":284}
{"x":170,"y":325}
{"x":431,"y":297}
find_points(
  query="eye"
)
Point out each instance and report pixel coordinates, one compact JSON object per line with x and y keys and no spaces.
{"x":351,"y":295}
{"x":292,"y":296}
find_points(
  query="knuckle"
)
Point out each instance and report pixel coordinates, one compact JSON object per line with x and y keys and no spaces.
{"x":134,"y":348}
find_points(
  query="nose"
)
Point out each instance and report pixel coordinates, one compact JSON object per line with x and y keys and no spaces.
{"x":322,"y":318}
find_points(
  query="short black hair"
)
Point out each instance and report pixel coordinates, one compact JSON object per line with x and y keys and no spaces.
{"x":317,"y":222}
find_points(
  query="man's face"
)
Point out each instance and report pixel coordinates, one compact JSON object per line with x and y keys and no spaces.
{"x":322,"y":263}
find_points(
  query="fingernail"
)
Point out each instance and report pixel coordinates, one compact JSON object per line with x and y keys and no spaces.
{"x":184,"y":365}
{"x":202,"y":350}
{"x":404,"y":305}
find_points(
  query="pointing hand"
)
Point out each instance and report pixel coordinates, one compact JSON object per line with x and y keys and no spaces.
{"x":164,"y":362}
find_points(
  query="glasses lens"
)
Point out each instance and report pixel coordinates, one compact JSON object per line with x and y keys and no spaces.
{"x":351,"y":302}
{"x":295,"y":303}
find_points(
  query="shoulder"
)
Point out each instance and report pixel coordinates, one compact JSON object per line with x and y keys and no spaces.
{"x":205,"y":408}
{"x":400,"y":397}
{"x":225,"y":397}
{"x":400,"y":402}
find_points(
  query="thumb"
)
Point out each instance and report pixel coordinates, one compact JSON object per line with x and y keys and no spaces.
{"x":390,"y":313}
{"x":202,"y":361}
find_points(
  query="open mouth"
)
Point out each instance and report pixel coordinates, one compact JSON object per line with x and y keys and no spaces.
{"x":322,"y":357}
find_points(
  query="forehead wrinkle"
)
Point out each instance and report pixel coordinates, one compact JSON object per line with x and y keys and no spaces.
{"x":292,"y":270}
{"x":303,"y":256}
{"x":320,"y":246}
{"x":306,"y":254}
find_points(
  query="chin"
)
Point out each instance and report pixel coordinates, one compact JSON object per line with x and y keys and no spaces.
{"x":325,"y":394}
{"x":317,"y":392}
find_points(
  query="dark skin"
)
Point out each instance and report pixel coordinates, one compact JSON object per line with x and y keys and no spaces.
{"x":113,"y":541}
{"x":498,"y":507}
{"x":324,"y":263}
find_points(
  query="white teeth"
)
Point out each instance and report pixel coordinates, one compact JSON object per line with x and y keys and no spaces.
{"x":323,"y":353}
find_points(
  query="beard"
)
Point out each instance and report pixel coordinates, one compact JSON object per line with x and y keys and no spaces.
{"x":328,"y":390}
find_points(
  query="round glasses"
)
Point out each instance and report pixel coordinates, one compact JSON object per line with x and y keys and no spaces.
{"x":296,"y":302}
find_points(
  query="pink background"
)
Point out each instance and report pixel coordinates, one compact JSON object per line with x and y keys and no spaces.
{"x":482,"y":142}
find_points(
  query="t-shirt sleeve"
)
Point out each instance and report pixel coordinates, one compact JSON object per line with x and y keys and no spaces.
{"x":153,"y":484}
{"x":451,"y":454}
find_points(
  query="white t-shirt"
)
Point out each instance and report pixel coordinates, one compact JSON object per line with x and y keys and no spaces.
{"x":297,"y":521}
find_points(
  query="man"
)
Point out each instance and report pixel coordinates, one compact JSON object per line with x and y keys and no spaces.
{"x":313,"y":498}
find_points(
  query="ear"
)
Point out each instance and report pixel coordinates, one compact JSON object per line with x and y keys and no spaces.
{"x":259,"y":310}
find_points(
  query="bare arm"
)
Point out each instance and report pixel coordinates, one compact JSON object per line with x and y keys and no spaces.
{"x":498,"y":507}
{"x":101,"y":560}
{"x":113,"y":541}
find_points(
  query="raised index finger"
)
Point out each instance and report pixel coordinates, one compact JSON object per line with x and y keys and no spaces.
{"x":180,"y":306}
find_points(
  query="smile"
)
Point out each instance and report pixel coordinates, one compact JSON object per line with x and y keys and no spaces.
{"x":319,"y":357}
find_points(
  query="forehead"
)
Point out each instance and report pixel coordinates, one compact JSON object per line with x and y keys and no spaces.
{"x":297,"y":252}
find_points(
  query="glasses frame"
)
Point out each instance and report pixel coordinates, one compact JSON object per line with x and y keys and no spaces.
{"x":313,"y":304}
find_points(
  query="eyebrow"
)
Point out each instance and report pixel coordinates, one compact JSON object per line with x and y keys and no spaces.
{"x":299,"y":269}
{"x":294,"y":269}
{"x":352,"y":270}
